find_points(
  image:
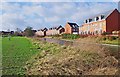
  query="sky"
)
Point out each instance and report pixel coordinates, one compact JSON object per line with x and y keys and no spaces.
{"x":38,"y":14}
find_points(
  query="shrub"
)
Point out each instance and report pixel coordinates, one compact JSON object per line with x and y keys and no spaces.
{"x":70,"y":36}
{"x":112,"y":38}
{"x":57,"y":35}
{"x":119,"y":38}
{"x":106,"y":33}
{"x":29,"y":32}
{"x":104,"y":38}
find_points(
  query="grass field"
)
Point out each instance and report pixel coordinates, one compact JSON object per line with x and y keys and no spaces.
{"x":15,"y":53}
{"x":34,"y":57}
{"x":0,"y":55}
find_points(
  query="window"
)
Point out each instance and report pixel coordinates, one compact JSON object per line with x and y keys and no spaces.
{"x":73,"y":26}
{"x":76,"y":26}
{"x":74,"y":30}
{"x":86,"y":21}
{"x":97,"y":18}
{"x":102,"y":16}
{"x":90,"y":20}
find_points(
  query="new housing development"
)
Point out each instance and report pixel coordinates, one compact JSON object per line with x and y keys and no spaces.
{"x":102,"y":23}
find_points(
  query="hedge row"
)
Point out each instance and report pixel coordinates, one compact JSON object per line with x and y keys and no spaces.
{"x":70,"y":36}
{"x":111,"y":38}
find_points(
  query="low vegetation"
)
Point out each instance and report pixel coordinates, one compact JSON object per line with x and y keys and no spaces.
{"x":111,"y":40}
{"x":28,"y":32}
{"x":28,"y":56}
{"x":82,"y":59}
{"x":115,"y":40}
{"x":88,"y":39}
{"x":70,"y":36}
{"x":15,"y":53}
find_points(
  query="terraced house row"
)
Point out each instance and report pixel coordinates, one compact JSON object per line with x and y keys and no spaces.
{"x":51,"y":31}
{"x":102,"y":23}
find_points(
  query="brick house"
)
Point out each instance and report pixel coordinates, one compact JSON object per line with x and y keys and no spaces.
{"x":55,"y":30}
{"x":71,"y":28}
{"x":41,"y":32}
{"x":104,"y":22}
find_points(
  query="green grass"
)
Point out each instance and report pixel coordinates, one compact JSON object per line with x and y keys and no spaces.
{"x":114,"y":42}
{"x":70,"y":36}
{"x":15,"y":53}
{"x":0,"y":55}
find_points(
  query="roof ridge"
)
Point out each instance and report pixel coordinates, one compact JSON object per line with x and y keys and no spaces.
{"x":106,"y":13}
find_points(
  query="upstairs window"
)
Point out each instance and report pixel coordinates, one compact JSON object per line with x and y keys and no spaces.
{"x":102,"y":16}
{"x":76,"y":26}
{"x":97,"y":18}
{"x":74,"y":30}
{"x":86,"y":21}
{"x":90,"y":20}
{"x":73,"y":26}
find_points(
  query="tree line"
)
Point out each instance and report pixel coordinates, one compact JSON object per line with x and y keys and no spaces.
{"x":29,"y":32}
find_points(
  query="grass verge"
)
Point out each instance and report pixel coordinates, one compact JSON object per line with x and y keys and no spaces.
{"x":15,"y":53}
{"x":86,"y":59}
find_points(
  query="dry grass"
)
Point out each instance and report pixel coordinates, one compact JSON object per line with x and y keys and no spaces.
{"x":85,"y":59}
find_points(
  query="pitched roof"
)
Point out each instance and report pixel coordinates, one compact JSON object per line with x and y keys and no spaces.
{"x":44,"y":29}
{"x":59,"y":27}
{"x":105,"y":14}
{"x":56,"y":27}
{"x":73,"y":25}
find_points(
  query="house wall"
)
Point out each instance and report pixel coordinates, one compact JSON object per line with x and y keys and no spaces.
{"x":68,"y":29}
{"x":39,"y":33}
{"x":54,"y":32}
{"x":49,"y":32}
{"x":75,"y":30}
{"x":93,"y":27}
{"x":61,"y":30}
{"x":113,"y":22}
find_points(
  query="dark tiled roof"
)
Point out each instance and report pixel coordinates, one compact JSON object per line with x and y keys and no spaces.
{"x":44,"y":29}
{"x":59,"y":27}
{"x":73,"y":25}
{"x":56,"y":27}
{"x":105,"y":14}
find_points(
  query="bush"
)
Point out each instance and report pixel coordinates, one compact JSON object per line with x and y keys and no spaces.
{"x":57,"y":35}
{"x":70,"y":36}
{"x":104,"y":38}
{"x":106,"y":33}
{"x":29,"y":32}
{"x":112,"y":38}
{"x":119,"y":38}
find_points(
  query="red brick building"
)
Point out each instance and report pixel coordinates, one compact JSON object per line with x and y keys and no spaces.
{"x":104,"y":22}
{"x":71,"y":28}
